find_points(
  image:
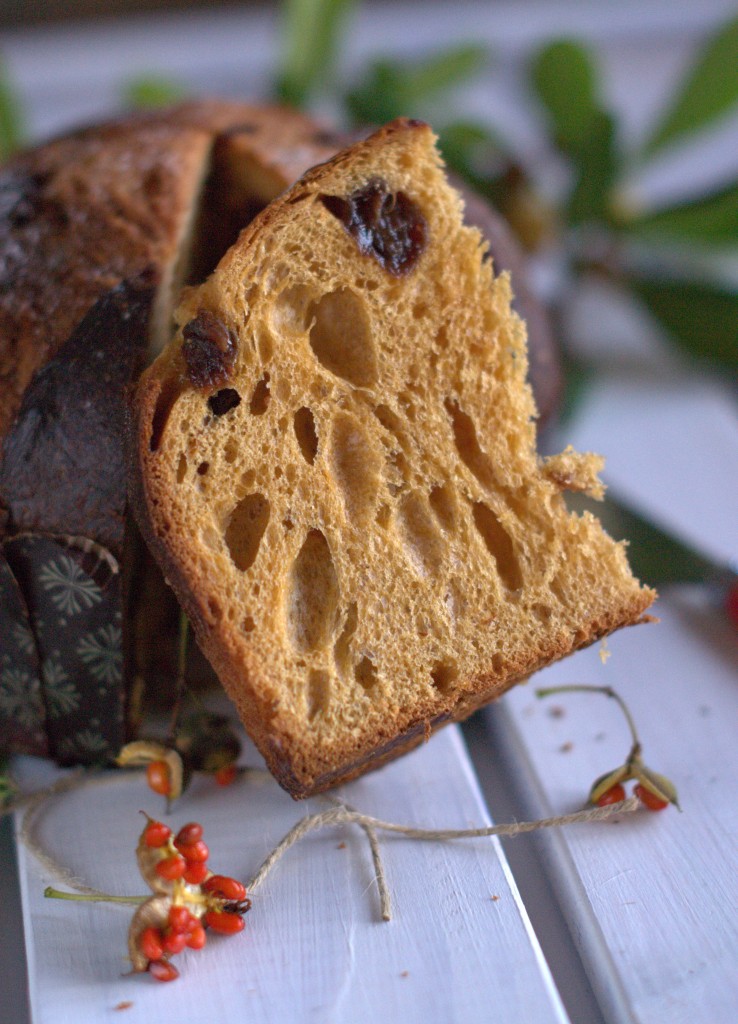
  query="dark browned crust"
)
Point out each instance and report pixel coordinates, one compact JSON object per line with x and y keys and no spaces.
{"x":52,"y":479}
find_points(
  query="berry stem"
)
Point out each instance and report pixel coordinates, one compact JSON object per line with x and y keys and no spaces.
{"x":97,"y":897}
{"x":607,"y":691}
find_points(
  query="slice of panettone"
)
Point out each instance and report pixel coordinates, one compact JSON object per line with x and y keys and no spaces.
{"x":335,"y":465}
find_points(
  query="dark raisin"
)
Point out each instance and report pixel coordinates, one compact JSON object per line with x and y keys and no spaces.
{"x":223,"y":401}
{"x":386,"y":225}
{"x":209,"y":350}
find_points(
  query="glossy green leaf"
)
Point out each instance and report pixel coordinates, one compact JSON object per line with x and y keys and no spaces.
{"x":702,"y":318}
{"x":597,"y":168}
{"x":712,"y":220}
{"x":11,"y":132}
{"x":709,"y":91}
{"x":565,"y":80}
{"x":311,"y":37}
{"x":393,"y":88}
{"x":150,"y":91}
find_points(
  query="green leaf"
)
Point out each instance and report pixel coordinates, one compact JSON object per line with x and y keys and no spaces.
{"x":564,"y":78}
{"x":311,"y":34}
{"x":11,"y":134}
{"x":393,"y":88}
{"x":709,"y":91}
{"x":597,"y":168}
{"x":475,"y":152}
{"x":150,"y":91}
{"x":702,"y":318}
{"x":711,"y":219}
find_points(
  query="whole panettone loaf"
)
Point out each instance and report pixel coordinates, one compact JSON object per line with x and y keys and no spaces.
{"x":335,"y":465}
{"x":99,"y":230}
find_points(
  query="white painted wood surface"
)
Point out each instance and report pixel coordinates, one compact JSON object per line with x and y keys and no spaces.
{"x":314,"y":947}
{"x":651,"y":901}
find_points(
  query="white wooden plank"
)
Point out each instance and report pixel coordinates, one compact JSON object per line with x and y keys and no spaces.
{"x":652,"y":899}
{"x":314,"y":947}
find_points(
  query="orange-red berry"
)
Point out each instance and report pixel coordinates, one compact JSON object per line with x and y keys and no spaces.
{"x":180,"y":919}
{"x":157,"y":776}
{"x":156,"y":833}
{"x":614,"y":795}
{"x":174,"y":942}
{"x":171,"y":868}
{"x":188,"y":834}
{"x":195,"y":872}
{"x":196,"y":938}
{"x":226,"y":924}
{"x":150,"y":943}
{"x":228,"y":888}
{"x":194,"y":852}
{"x":649,"y":799}
{"x":162,"y":970}
{"x":227,"y":774}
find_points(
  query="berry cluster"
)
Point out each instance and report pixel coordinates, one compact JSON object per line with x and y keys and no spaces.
{"x":188,"y":899}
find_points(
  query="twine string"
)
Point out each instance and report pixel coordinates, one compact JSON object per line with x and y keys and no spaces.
{"x":339,"y":814}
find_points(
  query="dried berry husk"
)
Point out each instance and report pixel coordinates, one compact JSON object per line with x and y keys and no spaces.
{"x":154,"y":913}
{"x":657,"y":784}
{"x":142,"y":752}
{"x":607,"y":781}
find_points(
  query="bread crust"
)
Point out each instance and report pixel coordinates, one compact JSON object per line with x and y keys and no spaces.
{"x":305,"y":765}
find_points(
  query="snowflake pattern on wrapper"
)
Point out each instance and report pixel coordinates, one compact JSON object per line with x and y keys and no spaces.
{"x":72,"y":589}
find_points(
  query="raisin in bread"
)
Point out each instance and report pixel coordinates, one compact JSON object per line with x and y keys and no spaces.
{"x":335,"y":465}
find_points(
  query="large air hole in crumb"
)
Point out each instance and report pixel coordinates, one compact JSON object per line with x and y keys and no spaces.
{"x":318,"y":693}
{"x":248,"y":624}
{"x":260,"y":398}
{"x":181,"y":468}
{"x":341,"y":337}
{"x":366,"y":674}
{"x":290,"y":310}
{"x":499,"y":545}
{"x":420,"y":533}
{"x":230,"y":452}
{"x":467,"y":445}
{"x":169,"y":392}
{"x":444,"y":674}
{"x":392,"y":422}
{"x":356,"y":465}
{"x":246,"y":525}
{"x":306,"y":435}
{"x":312,"y":594}
{"x":342,"y":648}
{"x":443,"y":503}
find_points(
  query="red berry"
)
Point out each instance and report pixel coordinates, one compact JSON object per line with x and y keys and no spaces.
{"x":196,"y":938}
{"x":228,"y":888}
{"x":196,"y":872}
{"x":227,"y":774}
{"x":226,"y":924}
{"x":180,"y":919}
{"x":188,"y":834}
{"x":156,"y":833}
{"x":157,"y":776}
{"x":174,"y":942}
{"x":194,"y":852}
{"x":171,"y":868}
{"x":162,"y":970}
{"x":150,"y":943}
{"x":649,"y":799}
{"x":614,"y":795}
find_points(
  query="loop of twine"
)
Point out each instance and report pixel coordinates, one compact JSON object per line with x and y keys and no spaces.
{"x":339,"y":814}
